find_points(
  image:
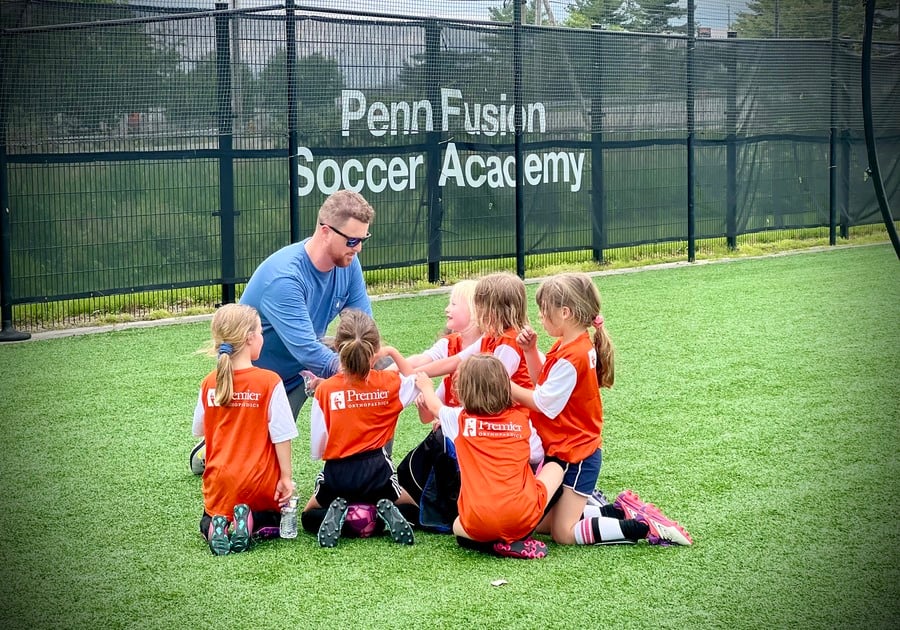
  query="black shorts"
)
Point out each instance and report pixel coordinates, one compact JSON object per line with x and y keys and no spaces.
{"x":362,"y":478}
{"x":416,"y":467}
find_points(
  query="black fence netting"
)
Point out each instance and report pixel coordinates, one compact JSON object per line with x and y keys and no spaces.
{"x":173,"y":145}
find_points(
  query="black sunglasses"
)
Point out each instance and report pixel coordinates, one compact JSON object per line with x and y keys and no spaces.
{"x":352,"y":241}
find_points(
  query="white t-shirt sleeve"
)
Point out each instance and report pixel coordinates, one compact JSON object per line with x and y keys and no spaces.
{"x":408,"y":389}
{"x":553,"y":394}
{"x":318,"y":432}
{"x":199,"y":413}
{"x":441,"y":392}
{"x":508,"y":357}
{"x":282,"y":426}
{"x":440,"y":350}
{"x":449,"y":417}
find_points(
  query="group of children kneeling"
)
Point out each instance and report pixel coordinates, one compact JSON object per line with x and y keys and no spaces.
{"x":515,"y":446}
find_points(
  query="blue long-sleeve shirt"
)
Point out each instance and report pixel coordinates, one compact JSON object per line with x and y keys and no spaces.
{"x":296,"y":303}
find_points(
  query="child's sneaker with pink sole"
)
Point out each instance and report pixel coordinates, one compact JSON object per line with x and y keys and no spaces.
{"x":217,"y":536}
{"x":663,"y":530}
{"x":242,"y":529}
{"x":525,"y":549}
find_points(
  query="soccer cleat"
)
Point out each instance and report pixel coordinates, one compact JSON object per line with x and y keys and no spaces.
{"x":217,"y":536}
{"x":330,"y":529}
{"x":597,"y":498}
{"x":399,"y":528}
{"x":198,"y":458}
{"x":663,"y":530}
{"x":630,"y":503}
{"x":525,"y":549}
{"x":242,"y":528}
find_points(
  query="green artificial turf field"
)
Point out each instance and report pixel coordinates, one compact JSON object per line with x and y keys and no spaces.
{"x":756,"y":402}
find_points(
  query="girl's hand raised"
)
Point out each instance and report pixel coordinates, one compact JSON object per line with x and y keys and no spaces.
{"x":527,"y":338}
{"x":423,"y":382}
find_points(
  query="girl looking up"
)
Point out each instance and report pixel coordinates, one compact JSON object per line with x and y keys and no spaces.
{"x":429,"y":471}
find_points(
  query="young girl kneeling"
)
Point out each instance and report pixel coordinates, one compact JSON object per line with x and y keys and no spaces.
{"x":245,"y":417}
{"x":353,"y":418}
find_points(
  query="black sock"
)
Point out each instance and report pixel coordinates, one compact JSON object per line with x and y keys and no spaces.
{"x":633,"y":529}
{"x":410,"y":513}
{"x":468,"y":543}
{"x":312,"y":519}
{"x":612,"y":512}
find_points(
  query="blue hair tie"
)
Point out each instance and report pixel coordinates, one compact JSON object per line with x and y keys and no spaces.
{"x":226,"y":348}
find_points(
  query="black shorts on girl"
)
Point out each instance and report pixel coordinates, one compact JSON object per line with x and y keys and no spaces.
{"x":362,"y":478}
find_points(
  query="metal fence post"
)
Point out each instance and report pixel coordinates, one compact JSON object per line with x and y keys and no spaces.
{"x":691,"y":43}
{"x":598,"y":187}
{"x":846,"y":151}
{"x":290,"y":34}
{"x":731,"y":148}
{"x":832,"y":133}
{"x":518,"y":100}
{"x":434,"y":200}
{"x":226,"y":152}
{"x":7,"y":331}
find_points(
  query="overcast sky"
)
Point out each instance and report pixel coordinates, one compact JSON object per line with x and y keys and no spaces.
{"x":709,"y":12}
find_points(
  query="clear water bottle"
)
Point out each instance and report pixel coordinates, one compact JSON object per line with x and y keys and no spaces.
{"x":288,"y":528}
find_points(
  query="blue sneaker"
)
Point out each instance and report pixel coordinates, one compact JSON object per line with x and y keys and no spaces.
{"x":400,"y":529}
{"x":330,"y":529}
{"x":242,"y":529}
{"x":217,"y":536}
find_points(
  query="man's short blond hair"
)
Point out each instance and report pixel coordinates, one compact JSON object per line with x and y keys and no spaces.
{"x":344,"y":205}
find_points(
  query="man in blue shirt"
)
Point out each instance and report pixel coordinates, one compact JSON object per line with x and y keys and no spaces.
{"x":301,"y":288}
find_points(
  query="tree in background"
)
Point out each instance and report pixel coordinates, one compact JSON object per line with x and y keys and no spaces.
{"x":319,"y":82}
{"x":80,"y":81}
{"x":504,"y":13}
{"x":640,"y":16}
{"x":812,"y":19}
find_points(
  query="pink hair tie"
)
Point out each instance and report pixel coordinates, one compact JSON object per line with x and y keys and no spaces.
{"x":598,"y":321}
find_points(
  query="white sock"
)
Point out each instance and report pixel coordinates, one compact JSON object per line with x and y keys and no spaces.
{"x":610,"y":529}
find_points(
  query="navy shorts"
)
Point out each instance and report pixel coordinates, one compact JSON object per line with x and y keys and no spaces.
{"x":581,"y":477}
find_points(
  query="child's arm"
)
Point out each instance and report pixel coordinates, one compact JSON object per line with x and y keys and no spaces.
{"x":523,"y":396}
{"x":199,"y":415}
{"x":429,"y":398}
{"x":551,"y":396}
{"x":527,"y":341}
{"x":284,"y":489}
{"x":406,"y":369}
{"x":318,"y":432}
{"x":442,"y":367}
